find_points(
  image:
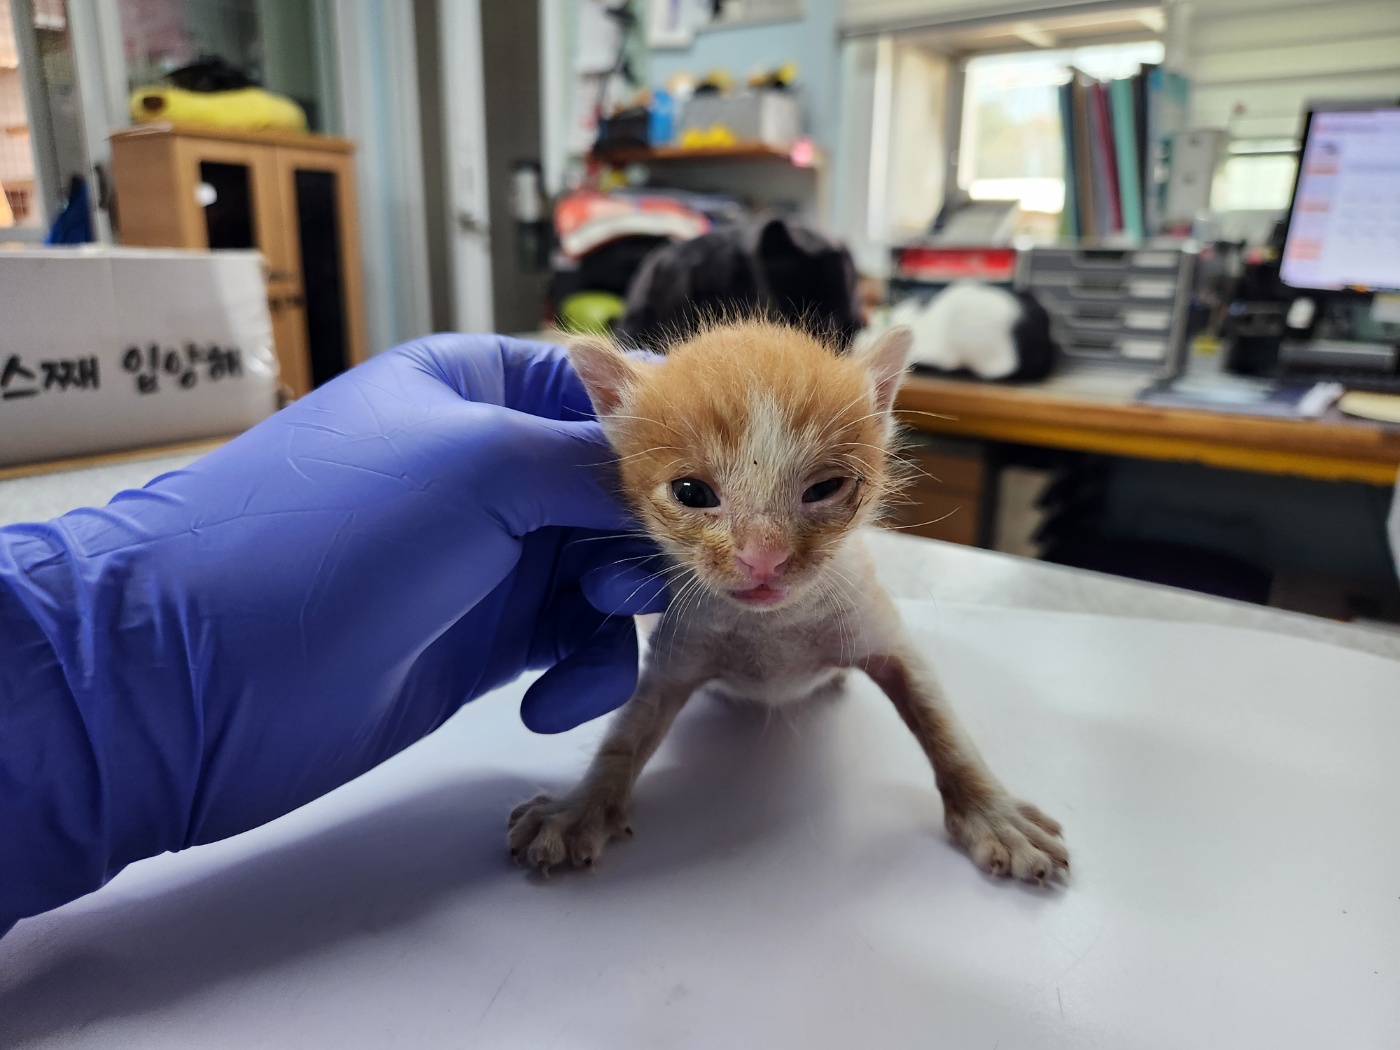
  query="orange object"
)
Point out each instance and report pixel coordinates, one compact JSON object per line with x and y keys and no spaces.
{"x":586,"y":219}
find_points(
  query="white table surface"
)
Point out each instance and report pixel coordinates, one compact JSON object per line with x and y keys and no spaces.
{"x":1230,"y":794}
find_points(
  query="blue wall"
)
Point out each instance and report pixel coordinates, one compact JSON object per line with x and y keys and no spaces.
{"x":811,"y":43}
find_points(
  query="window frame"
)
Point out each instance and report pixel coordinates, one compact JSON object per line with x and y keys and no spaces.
{"x":41,"y":142}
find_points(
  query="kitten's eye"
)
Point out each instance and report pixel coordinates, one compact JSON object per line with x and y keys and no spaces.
{"x":692,"y":492}
{"x":824,"y":490}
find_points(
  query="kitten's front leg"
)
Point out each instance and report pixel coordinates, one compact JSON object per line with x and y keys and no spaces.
{"x":545,"y":832}
{"x":1003,"y":836}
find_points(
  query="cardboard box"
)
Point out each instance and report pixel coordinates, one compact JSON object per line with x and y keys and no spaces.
{"x":111,"y":348}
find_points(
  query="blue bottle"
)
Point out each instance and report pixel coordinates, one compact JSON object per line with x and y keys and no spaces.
{"x":661,"y":120}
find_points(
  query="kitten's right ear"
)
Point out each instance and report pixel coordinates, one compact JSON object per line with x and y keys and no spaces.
{"x":607,"y":372}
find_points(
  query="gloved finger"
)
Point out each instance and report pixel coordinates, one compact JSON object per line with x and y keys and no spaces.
{"x":625,"y":576}
{"x":494,"y":369}
{"x":512,"y":420}
{"x":596,"y":677}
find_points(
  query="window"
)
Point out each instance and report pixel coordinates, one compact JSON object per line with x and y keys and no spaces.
{"x":19,"y":205}
{"x":1011,"y":146}
{"x":41,"y":147}
{"x":275,"y":44}
{"x":161,"y":35}
{"x":1257,"y":176}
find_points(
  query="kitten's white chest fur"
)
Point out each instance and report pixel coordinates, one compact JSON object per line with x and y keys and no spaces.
{"x":786,"y":655}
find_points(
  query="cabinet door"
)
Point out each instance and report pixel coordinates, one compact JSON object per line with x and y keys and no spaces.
{"x":237,"y":192}
{"x":319,"y":194}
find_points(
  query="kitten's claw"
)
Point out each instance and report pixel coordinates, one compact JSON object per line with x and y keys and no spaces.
{"x":544,"y":832}
{"x":1009,"y":838}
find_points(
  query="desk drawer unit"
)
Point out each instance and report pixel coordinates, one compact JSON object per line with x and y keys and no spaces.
{"x":1123,"y":308}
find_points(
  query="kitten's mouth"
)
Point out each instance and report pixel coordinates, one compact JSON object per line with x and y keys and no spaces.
{"x":763,"y":594}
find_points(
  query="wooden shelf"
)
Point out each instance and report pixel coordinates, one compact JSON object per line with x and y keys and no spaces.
{"x":744,"y":151}
{"x":1334,"y":448}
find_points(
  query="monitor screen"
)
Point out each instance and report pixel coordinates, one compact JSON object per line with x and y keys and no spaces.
{"x":1344,"y":223}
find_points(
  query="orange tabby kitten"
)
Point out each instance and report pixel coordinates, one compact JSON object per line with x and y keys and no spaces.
{"x":751,"y":453}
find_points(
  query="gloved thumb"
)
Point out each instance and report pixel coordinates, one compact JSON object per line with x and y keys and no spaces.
{"x":596,"y":677}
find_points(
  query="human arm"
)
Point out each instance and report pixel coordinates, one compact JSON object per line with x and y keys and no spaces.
{"x":235,"y":639}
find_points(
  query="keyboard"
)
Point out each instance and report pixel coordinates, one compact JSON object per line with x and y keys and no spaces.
{"x":1375,"y":384}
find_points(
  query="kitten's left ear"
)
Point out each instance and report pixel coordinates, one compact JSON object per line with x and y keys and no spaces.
{"x":886,"y":359}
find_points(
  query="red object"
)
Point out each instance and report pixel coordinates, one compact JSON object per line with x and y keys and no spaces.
{"x":1103,"y":133}
{"x":928,"y":263}
{"x":586,"y":219}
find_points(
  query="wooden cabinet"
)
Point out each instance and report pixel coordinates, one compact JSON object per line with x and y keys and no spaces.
{"x":292,"y":197}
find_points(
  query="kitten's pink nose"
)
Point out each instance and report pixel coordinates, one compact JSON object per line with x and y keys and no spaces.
{"x":763,"y":563}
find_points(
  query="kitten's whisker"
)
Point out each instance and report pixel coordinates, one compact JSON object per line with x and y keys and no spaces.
{"x":638,"y":419}
{"x":634,"y":533}
{"x":648,"y":451}
{"x":643,"y":583}
{"x":635,"y":557}
{"x":835,"y":607}
{"x":645,"y":557}
{"x":904,"y":462}
{"x":920,"y":412}
{"x":684,"y":601}
{"x":921,"y":524}
{"x":852,"y":584}
{"x":621,"y":537}
{"x":825,"y":593}
{"x":836,"y":420}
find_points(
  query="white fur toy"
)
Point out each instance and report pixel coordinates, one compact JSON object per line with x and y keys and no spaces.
{"x":967,"y":325}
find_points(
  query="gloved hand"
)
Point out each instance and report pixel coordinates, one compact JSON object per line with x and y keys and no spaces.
{"x":238,"y":638}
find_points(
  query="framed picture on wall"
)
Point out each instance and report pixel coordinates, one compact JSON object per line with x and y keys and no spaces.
{"x":672,"y":23}
{"x":739,"y":12}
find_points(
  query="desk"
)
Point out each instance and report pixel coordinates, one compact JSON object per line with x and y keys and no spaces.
{"x":1099,"y":414}
{"x":789,"y":884}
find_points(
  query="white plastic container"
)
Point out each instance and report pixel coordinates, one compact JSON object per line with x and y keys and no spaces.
{"x":773,"y":118}
{"x":104,"y":349}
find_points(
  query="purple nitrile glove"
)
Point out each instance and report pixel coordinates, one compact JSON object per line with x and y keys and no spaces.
{"x":237,"y":638}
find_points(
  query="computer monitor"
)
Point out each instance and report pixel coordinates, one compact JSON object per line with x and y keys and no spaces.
{"x":1344,"y":220}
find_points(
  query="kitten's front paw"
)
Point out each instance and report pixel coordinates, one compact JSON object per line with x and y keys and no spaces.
{"x":545,"y":832}
{"x":1006,"y":837}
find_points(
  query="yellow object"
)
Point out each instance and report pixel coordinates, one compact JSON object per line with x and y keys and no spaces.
{"x":251,"y":108}
{"x":785,"y":75}
{"x":613,"y":179}
{"x":1384,"y":408}
{"x":716,"y":136}
{"x":719,"y":78}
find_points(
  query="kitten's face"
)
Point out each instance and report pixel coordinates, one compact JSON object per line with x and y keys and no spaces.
{"x":750,"y":451}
